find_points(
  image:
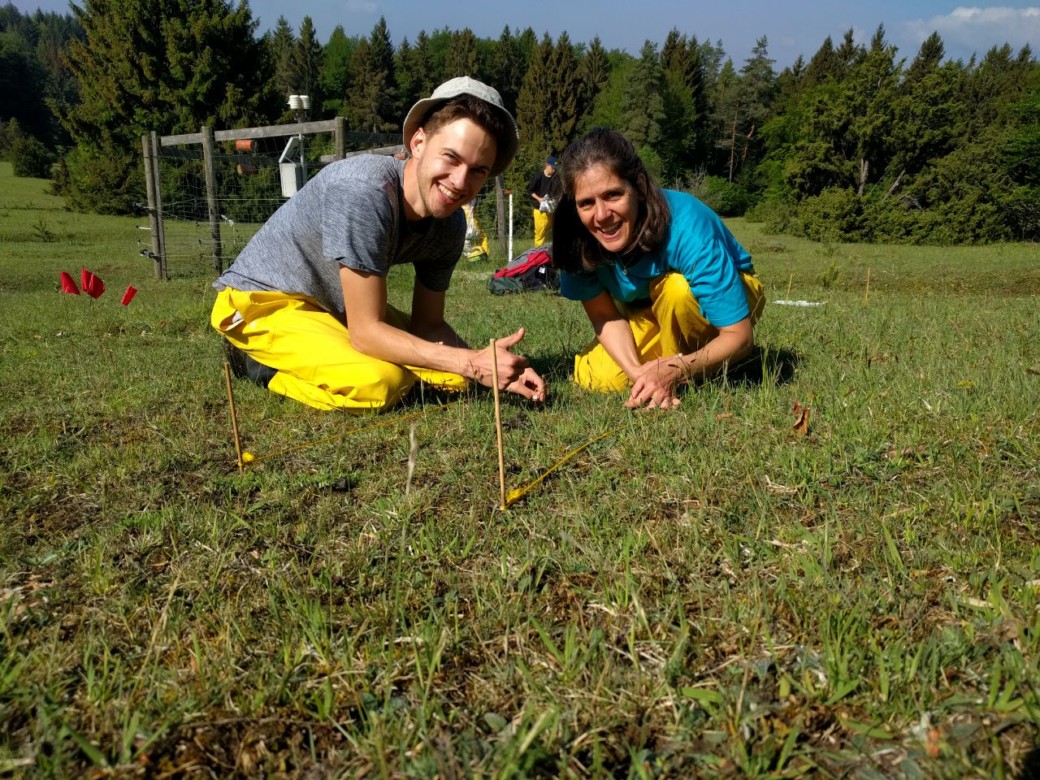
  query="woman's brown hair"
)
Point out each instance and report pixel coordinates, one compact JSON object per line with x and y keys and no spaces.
{"x":574,"y":247}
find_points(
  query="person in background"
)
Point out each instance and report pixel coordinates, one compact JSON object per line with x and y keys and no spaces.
{"x":304,"y":306}
{"x":670,"y":293}
{"x":541,"y":189}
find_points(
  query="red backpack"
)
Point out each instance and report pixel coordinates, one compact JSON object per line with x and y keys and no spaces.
{"x":530,"y":270}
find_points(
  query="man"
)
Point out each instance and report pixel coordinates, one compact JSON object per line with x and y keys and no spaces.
{"x":541,"y":189}
{"x":304,"y":306}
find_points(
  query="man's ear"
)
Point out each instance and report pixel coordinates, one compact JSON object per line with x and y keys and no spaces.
{"x":418,"y":142}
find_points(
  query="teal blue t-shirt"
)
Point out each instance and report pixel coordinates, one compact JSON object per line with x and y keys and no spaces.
{"x":698,"y":245}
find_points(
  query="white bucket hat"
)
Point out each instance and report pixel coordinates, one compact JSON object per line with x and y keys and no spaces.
{"x":464,"y":85}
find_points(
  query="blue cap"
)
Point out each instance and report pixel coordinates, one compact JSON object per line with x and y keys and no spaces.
{"x":551,"y":161}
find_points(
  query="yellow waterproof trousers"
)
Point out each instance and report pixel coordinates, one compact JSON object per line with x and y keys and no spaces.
{"x":671,"y":325}
{"x":311,"y":351}
{"x":542,"y":227}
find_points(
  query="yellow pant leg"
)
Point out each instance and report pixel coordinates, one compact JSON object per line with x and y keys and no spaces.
{"x":671,"y":325}
{"x":542,"y":227}
{"x":311,"y":351}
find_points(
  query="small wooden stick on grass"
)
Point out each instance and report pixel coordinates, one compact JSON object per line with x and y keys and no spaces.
{"x":498,"y":428}
{"x":234,"y":417}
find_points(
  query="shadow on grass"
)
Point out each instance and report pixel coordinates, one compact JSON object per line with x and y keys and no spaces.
{"x":763,"y":366}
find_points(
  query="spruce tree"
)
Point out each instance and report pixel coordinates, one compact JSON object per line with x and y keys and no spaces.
{"x":279,"y":44}
{"x":306,"y":64}
{"x":642,"y":107}
{"x":562,"y":90}
{"x":532,"y":106}
{"x":372,"y":98}
{"x":506,"y":68}
{"x":335,"y":71}
{"x":168,"y":67}
{"x":462,"y":56}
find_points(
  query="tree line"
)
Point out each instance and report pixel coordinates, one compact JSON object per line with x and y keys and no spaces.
{"x":856,"y":143}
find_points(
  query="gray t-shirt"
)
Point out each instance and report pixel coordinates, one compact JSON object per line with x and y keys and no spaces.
{"x":351,"y":213}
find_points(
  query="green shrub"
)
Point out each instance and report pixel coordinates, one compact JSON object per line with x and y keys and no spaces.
{"x":725,"y":198}
{"x":30,"y":158}
{"x":834,"y":215}
{"x":103,"y":182}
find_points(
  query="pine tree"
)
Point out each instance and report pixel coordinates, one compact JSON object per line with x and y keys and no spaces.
{"x":869,"y":98}
{"x":682,"y":143}
{"x":532,"y":106}
{"x":824,"y":66}
{"x":462,"y":56}
{"x":642,"y":108}
{"x":927,"y":113}
{"x":23,"y":86}
{"x":143,"y":66}
{"x":306,"y":64}
{"x":426,"y":73}
{"x":364,"y":95}
{"x":280,"y":43}
{"x":407,"y":89}
{"x":335,"y":71}
{"x":593,"y":76}
{"x":506,"y":68}
{"x":371,"y":104}
{"x":382,"y":54}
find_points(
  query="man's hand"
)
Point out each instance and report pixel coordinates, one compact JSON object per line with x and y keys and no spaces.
{"x":514,"y":371}
{"x":529,"y":385}
{"x":656,"y":384}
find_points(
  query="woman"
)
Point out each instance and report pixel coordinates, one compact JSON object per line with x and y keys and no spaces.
{"x":669,"y":291}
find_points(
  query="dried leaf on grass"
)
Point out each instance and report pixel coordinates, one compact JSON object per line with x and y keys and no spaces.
{"x":802,"y":419}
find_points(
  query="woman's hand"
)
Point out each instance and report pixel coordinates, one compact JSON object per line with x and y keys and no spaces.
{"x":656,"y":384}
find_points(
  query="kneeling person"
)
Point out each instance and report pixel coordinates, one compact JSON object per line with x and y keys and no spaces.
{"x":304,"y":306}
{"x":670,"y":293}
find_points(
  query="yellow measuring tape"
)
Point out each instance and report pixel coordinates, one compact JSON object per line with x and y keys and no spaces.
{"x":515,"y":495}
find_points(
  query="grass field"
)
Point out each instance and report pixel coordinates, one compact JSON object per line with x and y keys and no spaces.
{"x":706,"y":592}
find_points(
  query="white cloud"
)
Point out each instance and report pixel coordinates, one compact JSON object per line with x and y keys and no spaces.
{"x":967,"y":30}
{"x":360,"y":7}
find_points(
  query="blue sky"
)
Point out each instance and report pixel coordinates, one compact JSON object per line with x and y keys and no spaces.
{"x":792,"y":27}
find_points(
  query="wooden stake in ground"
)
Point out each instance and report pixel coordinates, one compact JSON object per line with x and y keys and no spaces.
{"x":498,"y":428}
{"x":866,"y":293}
{"x":790,"y":279}
{"x":234,"y":417}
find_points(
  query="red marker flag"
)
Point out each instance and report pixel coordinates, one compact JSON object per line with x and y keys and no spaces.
{"x":92,"y":285}
{"x":128,"y":296}
{"x":67,"y":285}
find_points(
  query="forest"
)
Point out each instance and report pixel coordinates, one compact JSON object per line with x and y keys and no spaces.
{"x":858,"y":142}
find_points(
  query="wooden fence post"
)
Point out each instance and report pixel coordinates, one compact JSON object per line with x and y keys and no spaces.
{"x":208,"y":155}
{"x":152,"y":189}
{"x":341,"y":137}
{"x":164,"y":271}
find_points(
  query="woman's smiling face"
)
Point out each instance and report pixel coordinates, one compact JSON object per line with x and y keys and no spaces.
{"x":608,"y":206}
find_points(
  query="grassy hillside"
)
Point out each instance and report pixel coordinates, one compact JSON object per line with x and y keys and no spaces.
{"x":710,"y":591}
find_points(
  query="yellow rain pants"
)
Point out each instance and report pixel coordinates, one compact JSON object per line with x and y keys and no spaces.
{"x":311,"y":351}
{"x":542,"y":227}
{"x":671,"y":325}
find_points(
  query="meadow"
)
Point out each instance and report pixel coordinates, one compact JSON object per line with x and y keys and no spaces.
{"x":824,"y":564}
